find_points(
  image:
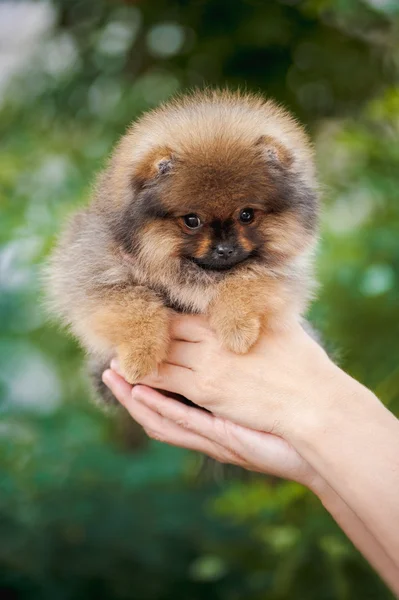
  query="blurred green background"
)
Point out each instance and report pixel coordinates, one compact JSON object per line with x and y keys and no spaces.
{"x":87,"y":509}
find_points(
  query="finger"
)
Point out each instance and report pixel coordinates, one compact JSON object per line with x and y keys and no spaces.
{"x":119,"y":387}
{"x":163,"y":430}
{"x":172,"y":378}
{"x":257,"y":450}
{"x":183,"y":354}
{"x":115,"y":366}
{"x":189,"y":328}
{"x":200,"y":422}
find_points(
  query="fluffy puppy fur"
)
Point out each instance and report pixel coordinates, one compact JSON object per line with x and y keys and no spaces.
{"x":208,"y":205}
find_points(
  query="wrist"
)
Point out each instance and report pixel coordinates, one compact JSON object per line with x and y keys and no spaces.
{"x":337,"y":401}
{"x":316,"y":484}
{"x":320,"y":487}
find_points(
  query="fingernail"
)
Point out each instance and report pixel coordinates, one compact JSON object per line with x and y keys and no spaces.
{"x":115,"y":366}
{"x":107,"y":377}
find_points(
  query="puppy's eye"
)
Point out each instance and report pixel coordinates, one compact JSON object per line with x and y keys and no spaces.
{"x":247,"y":215}
{"x":192,"y":221}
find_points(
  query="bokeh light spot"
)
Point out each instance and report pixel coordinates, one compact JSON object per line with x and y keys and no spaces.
{"x":165,"y":39}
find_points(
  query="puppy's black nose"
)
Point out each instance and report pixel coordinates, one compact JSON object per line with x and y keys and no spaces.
{"x":224,"y":250}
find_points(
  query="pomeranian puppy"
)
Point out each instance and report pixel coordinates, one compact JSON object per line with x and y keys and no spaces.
{"x":208,"y":205}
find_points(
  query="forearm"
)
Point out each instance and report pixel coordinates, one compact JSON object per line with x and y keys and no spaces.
{"x":359,"y":535}
{"x":289,"y":387}
{"x":353,"y":442}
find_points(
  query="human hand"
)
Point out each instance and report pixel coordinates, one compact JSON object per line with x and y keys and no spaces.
{"x":284,"y":381}
{"x":285,"y":409}
{"x":172,"y":422}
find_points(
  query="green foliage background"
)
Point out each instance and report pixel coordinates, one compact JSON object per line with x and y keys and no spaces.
{"x":87,"y":509}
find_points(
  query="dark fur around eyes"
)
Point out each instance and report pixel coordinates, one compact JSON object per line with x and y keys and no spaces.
{"x":146,"y":207}
{"x":286,"y":192}
{"x":290,"y":193}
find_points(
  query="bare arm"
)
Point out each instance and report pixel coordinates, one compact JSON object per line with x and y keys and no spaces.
{"x":288,"y":386}
{"x":354,"y":443}
{"x":172,"y":422}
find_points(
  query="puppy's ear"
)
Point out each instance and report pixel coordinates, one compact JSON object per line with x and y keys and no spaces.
{"x":157,"y":162}
{"x":274,"y":151}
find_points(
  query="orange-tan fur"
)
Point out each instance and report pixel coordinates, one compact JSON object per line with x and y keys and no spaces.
{"x":119,"y":303}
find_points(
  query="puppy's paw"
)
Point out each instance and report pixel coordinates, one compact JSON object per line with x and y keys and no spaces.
{"x":134,"y":367}
{"x":141,"y":358}
{"x":237,"y":333}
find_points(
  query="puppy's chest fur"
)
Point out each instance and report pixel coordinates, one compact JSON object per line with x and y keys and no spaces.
{"x":187,"y":298}
{"x":184,"y":302}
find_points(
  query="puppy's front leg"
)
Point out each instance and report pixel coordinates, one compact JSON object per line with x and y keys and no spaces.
{"x":135,"y":324}
{"x":242,"y":307}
